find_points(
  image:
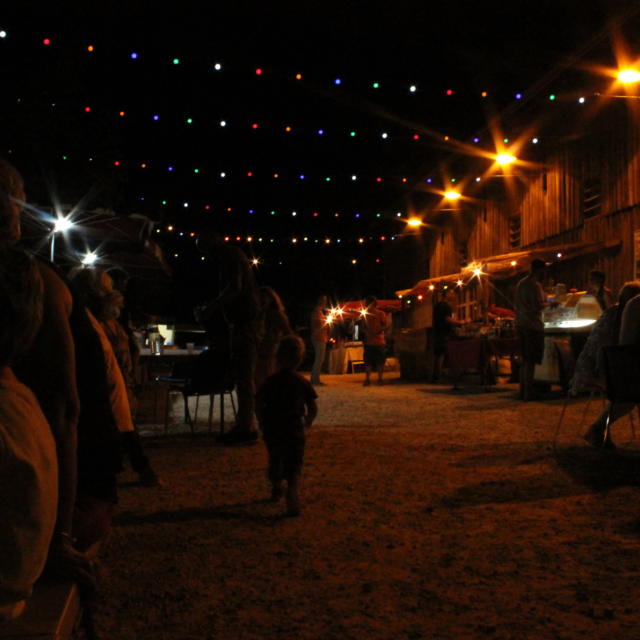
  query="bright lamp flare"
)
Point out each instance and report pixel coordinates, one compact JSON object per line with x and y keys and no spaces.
{"x":477,"y":272}
{"x":90,"y":258}
{"x":414,"y":222}
{"x":629,"y":75}
{"x":452,"y":195}
{"x":505,"y":158}
{"x":62,"y":224}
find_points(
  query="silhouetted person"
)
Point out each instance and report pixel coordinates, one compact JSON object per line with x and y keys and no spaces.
{"x":48,"y":368}
{"x":286,"y":407}
{"x":319,"y":338}
{"x":529,"y":302}
{"x":231,"y":323}
{"x":598,"y":289}
{"x":28,"y":461}
{"x":375,"y":324}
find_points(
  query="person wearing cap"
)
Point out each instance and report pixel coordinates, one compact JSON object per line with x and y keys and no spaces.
{"x":529,"y":302}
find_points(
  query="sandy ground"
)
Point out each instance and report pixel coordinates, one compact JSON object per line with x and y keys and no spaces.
{"x":427,"y":514}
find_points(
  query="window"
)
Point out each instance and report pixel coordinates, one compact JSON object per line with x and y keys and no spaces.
{"x":591,"y":197}
{"x":514,"y":231}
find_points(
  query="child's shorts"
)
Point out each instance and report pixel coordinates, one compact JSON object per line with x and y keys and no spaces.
{"x":285,"y":459}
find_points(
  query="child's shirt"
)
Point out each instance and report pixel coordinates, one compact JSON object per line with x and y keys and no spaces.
{"x":281,"y":403}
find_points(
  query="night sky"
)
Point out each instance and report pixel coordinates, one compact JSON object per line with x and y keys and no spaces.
{"x":280,"y":65}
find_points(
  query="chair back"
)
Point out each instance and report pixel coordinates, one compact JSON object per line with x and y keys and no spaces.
{"x":211,"y":373}
{"x":622,"y":372}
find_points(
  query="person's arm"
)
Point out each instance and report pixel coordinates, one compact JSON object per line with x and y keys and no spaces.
{"x":53,"y":371}
{"x":312,"y":412}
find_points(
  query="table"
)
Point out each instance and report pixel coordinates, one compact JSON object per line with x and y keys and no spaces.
{"x":475,"y":354}
{"x":345,"y":355}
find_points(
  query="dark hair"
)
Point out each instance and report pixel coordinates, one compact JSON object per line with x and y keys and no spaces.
{"x":369,"y":300}
{"x":87,"y":288}
{"x":20,"y":303}
{"x":290,"y":351}
{"x":597,"y":276}
{"x":10,"y":185}
{"x":119,"y":277}
{"x":537,"y":265}
{"x":628,"y":290}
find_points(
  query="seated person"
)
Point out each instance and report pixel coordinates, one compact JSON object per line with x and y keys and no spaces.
{"x":28,"y":462}
{"x":622,"y":320}
{"x":588,"y":375}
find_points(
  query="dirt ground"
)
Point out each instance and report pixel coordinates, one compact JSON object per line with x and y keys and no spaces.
{"x":427,"y":513}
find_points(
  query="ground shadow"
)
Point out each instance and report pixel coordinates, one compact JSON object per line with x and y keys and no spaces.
{"x":585,"y":471}
{"x":228,"y":512}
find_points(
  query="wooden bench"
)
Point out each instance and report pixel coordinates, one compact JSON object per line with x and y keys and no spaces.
{"x":53,"y":612}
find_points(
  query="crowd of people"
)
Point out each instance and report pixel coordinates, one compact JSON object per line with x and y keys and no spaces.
{"x":68,"y":357}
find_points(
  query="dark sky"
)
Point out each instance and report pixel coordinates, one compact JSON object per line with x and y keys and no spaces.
{"x":465,"y":47}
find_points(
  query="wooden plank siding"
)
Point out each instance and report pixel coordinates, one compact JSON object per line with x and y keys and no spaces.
{"x":550,"y":200}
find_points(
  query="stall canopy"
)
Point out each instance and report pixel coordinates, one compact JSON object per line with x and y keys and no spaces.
{"x":122,"y":240}
{"x":354,"y":307}
{"x":508,"y":265}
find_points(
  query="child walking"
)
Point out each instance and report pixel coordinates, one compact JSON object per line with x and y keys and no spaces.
{"x":286,"y":407}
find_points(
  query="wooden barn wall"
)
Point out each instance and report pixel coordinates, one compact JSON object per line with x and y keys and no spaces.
{"x":446,"y":256}
{"x":550,"y":204}
{"x":490,"y":234}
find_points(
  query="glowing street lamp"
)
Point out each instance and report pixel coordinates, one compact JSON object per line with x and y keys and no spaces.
{"x":452,"y":195}
{"x":629,"y":76}
{"x":61,"y":225}
{"x":505,"y":159}
{"x":89,"y":258}
{"x":414,"y":222}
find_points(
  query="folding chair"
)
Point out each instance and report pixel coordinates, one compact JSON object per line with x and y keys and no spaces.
{"x":622,"y":372}
{"x":206,"y":375}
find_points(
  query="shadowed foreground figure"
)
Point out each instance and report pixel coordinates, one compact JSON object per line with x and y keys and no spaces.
{"x":28,"y":463}
{"x":230,"y":320}
{"x":286,"y":407}
{"x":48,"y":368}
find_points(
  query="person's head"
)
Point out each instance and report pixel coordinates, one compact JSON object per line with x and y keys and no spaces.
{"x":370,"y":301}
{"x":269,"y":298}
{"x":628,"y":290}
{"x":12,"y":198}
{"x":119,"y":278}
{"x":322,"y":301}
{"x":290,"y":352}
{"x":209,"y":243}
{"x":20,"y":303}
{"x":92,"y":286}
{"x":537,"y":269}
{"x":596,"y":279}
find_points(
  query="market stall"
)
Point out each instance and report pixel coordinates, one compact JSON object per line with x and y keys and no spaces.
{"x":347,"y":348}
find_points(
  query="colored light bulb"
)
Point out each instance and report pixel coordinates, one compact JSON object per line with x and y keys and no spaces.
{"x":176,"y":61}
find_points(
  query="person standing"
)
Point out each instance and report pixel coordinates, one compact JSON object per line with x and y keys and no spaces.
{"x":597,"y":288}
{"x":319,"y":339}
{"x":375,"y":324}
{"x":49,"y":370}
{"x":529,"y":302}
{"x":232,"y":318}
{"x":286,"y":408}
{"x":443,"y":325}
{"x":274,"y":324}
